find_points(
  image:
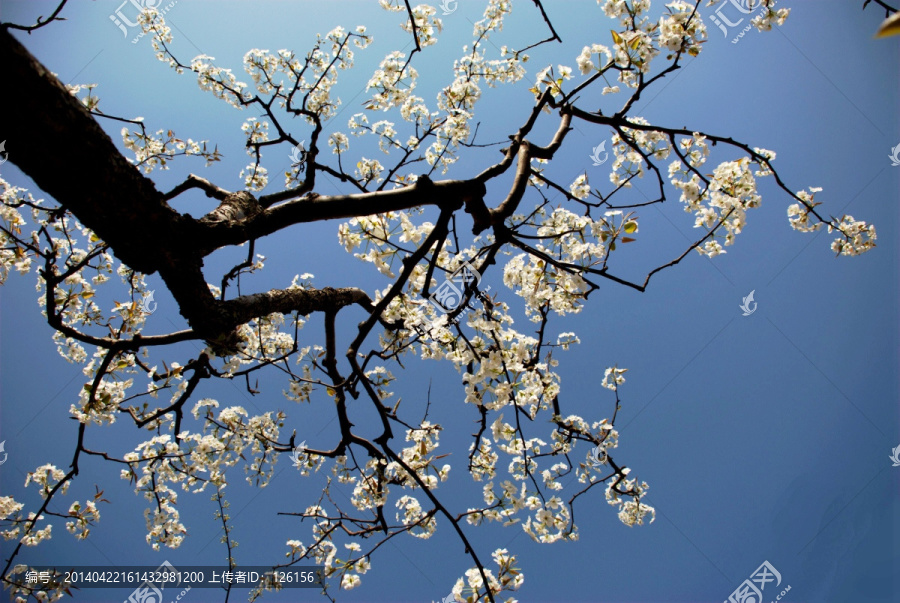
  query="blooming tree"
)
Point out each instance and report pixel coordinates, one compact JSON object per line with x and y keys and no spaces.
{"x":85,"y":241}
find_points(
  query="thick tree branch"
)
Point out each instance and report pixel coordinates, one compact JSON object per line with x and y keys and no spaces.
{"x":194,"y":181}
{"x":109,"y":195}
{"x":78,"y":164}
{"x":209,"y":236}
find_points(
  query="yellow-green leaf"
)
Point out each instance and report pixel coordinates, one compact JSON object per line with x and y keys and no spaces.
{"x":631,"y":226}
{"x":890,"y":27}
{"x":616,"y":37}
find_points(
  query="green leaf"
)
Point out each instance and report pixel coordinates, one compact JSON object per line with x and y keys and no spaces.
{"x":616,"y":37}
{"x":631,"y":226}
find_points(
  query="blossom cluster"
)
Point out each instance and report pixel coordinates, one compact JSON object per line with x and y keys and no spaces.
{"x":157,"y":151}
{"x":473,"y":588}
{"x":499,"y":373}
{"x":720,"y":199}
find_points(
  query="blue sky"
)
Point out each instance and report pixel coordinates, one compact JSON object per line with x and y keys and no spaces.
{"x":762,"y":437}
